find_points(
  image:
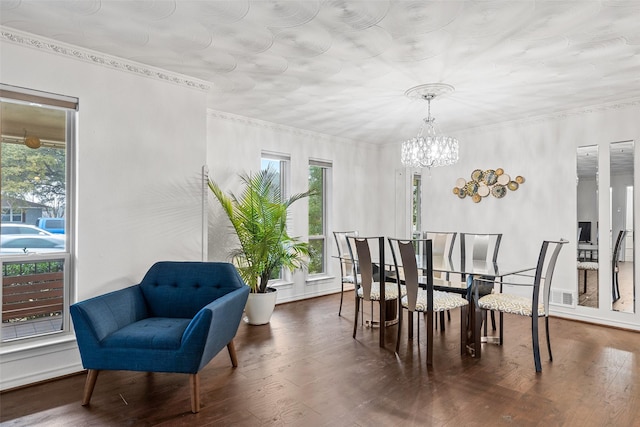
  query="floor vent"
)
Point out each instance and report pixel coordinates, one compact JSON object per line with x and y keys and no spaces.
{"x":562,"y":298}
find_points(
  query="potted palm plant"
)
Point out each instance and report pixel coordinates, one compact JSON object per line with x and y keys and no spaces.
{"x":259,"y":219}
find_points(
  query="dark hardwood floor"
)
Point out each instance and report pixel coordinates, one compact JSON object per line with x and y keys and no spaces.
{"x":305,"y":369}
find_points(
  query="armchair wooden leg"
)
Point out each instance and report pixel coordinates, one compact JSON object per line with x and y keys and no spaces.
{"x":92,"y":376}
{"x":232,"y":353}
{"x":194,"y":383}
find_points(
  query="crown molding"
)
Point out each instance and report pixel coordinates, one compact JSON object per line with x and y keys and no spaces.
{"x":316,"y":136}
{"x":57,"y":48}
{"x":557,"y":116}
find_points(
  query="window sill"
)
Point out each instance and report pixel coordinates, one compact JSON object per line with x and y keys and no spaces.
{"x":280,"y":284}
{"x":319,"y":278}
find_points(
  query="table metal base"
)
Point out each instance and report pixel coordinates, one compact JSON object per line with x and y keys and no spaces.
{"x":490,"y":340}
{"x":391,"y":313}
{"x":376,"y":323}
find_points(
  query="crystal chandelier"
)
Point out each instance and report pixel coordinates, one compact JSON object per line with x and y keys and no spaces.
{"x":429,"y":149}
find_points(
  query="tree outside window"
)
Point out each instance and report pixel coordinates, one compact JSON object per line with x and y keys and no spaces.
{"x":317,"y":218}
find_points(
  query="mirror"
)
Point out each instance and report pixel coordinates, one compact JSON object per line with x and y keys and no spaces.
{"x":621,"y":241}
{"x":587,"y":226}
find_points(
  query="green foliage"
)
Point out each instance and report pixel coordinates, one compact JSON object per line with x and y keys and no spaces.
{"x":316,"y":250}
{"x":259,"y":218}
{"x":315,"y":201}
{"x":316,"y":217}
{"x":12,"y":269}
{"x":35,"y":175}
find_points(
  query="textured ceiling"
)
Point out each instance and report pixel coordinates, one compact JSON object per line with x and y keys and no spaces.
{"x":342,"y":67}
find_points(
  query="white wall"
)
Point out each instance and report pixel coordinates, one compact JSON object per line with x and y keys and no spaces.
{"x":141,"y":146}
{"x":235,"y":145}
{"x":544,"y":207}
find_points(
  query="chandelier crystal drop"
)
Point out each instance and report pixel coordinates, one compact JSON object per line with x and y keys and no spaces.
{"x":429,"y":149}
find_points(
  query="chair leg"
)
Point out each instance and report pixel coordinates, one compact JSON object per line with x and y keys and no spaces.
{"x":399,"y":330}
{"x":493,"y":320}
{"x":194,"y":382}
{"x":463,"y":329}
{"x":536,"y":344}
{"x":410,"y":324}
{"x":341,"y":295}
{"x":371,"y":322}
{"x":232,"y":353}
{"x":442,"y":321}
{"x":484,"y":322}
{"x":355,"y":320}
{"x":616,"y":288}
{"x":92,"y":376}
{"x":429,"y":326}
{"x":546,"y":324}
{"x":585,"y":281}
{"x":476,"y":324}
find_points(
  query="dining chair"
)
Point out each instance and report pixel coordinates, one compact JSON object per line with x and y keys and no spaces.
{"x":443,"y":243}
{"x":347,"y":264}
{"x":578,"y":241}
{"x":615,"y":288}
{"x":481,"y":247}
{"x":422,"y":300}
{"x":367,"y":288}
{"x":586,"y":266}
{"x":534,"y":305}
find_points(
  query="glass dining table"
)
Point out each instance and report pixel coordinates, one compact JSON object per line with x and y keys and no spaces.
{"x":472,"y":273}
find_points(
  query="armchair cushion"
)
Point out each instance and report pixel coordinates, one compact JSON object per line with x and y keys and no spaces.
{"x":162,"y":333}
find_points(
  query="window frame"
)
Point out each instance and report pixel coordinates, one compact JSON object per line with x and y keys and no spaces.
{"x":416,"y":203}
{"x":327,"y":168}
{"x":70,"y":106}
{"x":284,"y":164}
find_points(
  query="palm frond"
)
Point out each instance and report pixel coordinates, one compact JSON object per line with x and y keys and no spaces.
{"x":259,"y":218}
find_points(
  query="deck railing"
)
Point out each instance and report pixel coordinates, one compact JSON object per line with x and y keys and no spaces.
{"x":32,"y":293}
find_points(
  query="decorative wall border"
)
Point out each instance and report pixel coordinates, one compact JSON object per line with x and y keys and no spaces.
{"x":98,"y":58}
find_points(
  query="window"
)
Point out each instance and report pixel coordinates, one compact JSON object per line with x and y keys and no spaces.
{"x":280,"y":164}
{"x":318,"y":182}
{"x":38,"y":132}
{"x":416,"y":204}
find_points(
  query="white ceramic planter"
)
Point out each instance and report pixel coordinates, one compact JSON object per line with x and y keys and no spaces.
{"x":259,"y":307}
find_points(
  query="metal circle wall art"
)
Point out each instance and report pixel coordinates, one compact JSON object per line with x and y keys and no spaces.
{"x":494,"y":182}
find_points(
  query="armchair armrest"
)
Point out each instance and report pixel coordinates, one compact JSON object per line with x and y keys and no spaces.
{"x":97,"y":317}
{"x":215,"y":325}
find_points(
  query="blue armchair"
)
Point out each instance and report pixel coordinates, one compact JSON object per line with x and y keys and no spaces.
{"x":176,"y":320}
